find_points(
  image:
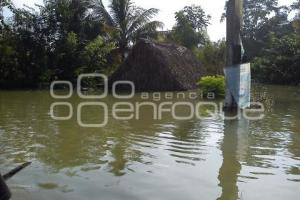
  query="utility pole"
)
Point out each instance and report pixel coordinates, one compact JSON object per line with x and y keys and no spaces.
{"x":234,"y":56}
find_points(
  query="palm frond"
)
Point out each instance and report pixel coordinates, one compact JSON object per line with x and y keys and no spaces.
{"x":120,"y":11}
{"x":125,"y":22}
{"x":148,"y":30}
{"x":141,"y":18}
{"x":101,"y":13}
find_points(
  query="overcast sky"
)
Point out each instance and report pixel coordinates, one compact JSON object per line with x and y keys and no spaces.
{"x":167,"y":9}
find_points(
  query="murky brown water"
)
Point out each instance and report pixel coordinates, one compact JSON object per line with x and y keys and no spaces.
{"x":150,"y":159}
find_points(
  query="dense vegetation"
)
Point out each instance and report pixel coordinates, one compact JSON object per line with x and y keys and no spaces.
{"x":63,"y":38}
{"x":280,"y":61}
{"x":271,"y":41}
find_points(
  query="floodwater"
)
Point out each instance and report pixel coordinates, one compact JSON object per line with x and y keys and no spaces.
{"x":150,"y":159}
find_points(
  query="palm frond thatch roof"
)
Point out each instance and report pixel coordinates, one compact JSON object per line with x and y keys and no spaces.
{"x":154,"y":66}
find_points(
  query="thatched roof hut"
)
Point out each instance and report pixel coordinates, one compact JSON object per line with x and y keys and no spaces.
{"x":154,"y":66}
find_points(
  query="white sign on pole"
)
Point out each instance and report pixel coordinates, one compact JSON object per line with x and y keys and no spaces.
{"x":238,"y":80}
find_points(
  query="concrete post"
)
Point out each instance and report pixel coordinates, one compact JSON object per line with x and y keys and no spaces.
{"x":234,"y":22}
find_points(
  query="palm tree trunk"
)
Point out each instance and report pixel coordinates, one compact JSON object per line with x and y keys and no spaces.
{"x":123,"y":49}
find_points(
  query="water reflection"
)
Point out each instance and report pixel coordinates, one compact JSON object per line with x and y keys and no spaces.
{"x":234,"y":132}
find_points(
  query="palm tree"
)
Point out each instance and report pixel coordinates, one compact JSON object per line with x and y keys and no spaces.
{"x":128,"y":22}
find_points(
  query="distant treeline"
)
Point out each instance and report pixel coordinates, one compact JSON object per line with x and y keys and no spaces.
{"x":63,"y":38}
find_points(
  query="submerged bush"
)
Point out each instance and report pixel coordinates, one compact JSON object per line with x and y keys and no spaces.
{"x":213,"y":84}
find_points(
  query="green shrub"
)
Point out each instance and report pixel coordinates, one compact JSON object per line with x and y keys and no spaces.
{"x":215,"y":84}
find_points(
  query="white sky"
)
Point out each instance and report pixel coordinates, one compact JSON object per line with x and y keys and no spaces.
{"x":167,"y":9}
